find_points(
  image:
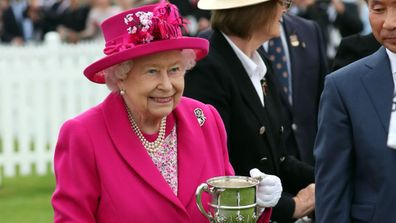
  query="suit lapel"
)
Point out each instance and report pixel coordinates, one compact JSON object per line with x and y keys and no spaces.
{"x":238,"y":72}
{"x":131,"y":149}
{"x":378,"y":82}
{"x":190,"y":158}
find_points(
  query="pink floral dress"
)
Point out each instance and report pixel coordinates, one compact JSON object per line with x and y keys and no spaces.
{"x":165,"y":158}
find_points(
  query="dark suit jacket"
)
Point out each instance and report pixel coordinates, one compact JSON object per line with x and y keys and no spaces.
{"x":308,"y":68}
{"x":355,"y":169}
{"x":348,"y":23}
{"x":353,"y":48}
{"x":11,"y":28}
{"x":254,"y":133}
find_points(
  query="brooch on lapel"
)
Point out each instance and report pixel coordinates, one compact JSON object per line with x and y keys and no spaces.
{"x":264,"y":86}
{"x":200,"y":116}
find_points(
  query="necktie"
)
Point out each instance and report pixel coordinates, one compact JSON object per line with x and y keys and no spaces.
{"x":279,"y":65}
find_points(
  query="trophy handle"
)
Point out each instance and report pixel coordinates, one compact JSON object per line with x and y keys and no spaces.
{"x":198,"y":197}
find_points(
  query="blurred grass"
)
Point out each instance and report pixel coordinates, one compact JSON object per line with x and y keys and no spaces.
{"x":26,"y":199}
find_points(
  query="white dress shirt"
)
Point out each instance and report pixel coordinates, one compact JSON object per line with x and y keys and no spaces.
{"x":392,"y":125}
{"x":255,"y":67}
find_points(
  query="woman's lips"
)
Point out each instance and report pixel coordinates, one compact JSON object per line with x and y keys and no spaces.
{"x":162,"y":99}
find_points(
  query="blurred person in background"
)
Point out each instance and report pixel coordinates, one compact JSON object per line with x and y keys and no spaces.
{"x":337,"y":19}
{"x":99,"y":11}
{"x":3,"y":7}
{"x":239,"y":83}
{"x":137,"y":3}
{"x":199,"y":20}
{"x":17,"y":26}
{"x":124,"y":4}
{"x":353,"y":48}
{"x":300,"y":83}
{"x":73,"y":19}
{"x":140,"y":155}
{"x":357,"y":46}
{"x":51,"y":15}
{"x":355,"y":168}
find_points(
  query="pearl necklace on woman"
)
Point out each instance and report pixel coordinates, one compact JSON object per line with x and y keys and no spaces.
{"x":151,"y":147}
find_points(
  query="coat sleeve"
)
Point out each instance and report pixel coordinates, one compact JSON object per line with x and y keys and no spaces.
{"x":333,"y":152}
{"x":76,"y":194}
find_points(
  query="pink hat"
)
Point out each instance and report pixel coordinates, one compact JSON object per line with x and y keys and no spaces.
{"x":140,"y":32}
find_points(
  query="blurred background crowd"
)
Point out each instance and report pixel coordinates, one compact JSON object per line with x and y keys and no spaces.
{"x":28,"y":21}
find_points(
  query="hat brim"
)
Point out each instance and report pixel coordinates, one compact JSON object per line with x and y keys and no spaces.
{"x":94,"y":71}
{"x":226,"y":4}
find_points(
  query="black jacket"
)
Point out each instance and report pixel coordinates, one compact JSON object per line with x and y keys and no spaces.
{"x":254,"y":132}
{"x":354,"y":47}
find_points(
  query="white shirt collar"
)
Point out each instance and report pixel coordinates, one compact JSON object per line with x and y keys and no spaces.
{"x":254,"y":65}
{"x":392,"y":59}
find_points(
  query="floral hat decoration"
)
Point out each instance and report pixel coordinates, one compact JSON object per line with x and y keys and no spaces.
{"x":140,"y":32}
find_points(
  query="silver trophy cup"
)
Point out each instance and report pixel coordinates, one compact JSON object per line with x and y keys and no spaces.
{"x":233,"y":199}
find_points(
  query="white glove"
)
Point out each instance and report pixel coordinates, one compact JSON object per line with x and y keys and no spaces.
{"x":269,"y":190}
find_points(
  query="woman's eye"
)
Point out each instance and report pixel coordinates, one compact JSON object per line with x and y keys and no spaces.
{"x":152,"y":71}
{"x":174,"y":69}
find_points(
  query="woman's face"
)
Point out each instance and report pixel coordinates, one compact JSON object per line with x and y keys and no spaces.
{"x":154,"y":85}
{"x":275,"y":28}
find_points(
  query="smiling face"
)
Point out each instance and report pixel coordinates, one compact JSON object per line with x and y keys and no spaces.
{"x":154,"y":85}
{"x":383,"y":22}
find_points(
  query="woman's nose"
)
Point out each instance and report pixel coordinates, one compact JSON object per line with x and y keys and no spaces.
{"x":165,"y":83}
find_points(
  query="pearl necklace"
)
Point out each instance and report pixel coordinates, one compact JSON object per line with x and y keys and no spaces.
{"x":151,"y":147}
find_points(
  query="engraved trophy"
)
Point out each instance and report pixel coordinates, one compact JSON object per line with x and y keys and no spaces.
{"x":232,"y":199}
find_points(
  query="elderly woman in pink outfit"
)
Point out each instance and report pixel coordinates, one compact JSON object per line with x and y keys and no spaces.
{"x":140,"y":155}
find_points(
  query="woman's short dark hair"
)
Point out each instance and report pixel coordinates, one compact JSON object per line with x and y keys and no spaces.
{"x":242,"y":22}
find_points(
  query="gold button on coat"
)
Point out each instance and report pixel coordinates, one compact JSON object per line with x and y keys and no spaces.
{"x":262,"y":130}
{"x":294,"y":127}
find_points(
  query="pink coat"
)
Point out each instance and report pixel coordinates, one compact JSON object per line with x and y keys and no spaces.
{"x":104,"y":174}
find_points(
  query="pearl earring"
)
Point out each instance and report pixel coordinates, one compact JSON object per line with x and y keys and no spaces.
{"x":122,"y":92}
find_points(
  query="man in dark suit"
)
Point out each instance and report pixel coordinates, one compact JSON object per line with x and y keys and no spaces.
{"x":13,"y":23}
{"x":307,"y":67}
{"x":251,"y":114}
{"x":355,"y":169}
{"x":353,"y":48}
{"x":199,"y":19}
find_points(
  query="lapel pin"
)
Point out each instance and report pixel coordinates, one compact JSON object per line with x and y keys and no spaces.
{"x":264,"y":86}
{"x":294,"y":40}
{"x":200,"y":116}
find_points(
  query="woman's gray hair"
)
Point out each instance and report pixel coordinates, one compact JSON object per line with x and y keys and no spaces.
{"x":120,"y":71}
{"x":117,"y":72}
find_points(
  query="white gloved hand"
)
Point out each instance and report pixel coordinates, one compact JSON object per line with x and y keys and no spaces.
{"x":269,"y":190}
